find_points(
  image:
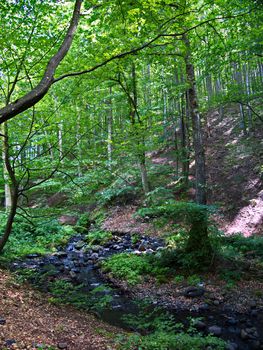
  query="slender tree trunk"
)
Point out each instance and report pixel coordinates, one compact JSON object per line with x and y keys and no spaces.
{"x":4,"y":132}
{"x":10,"y":219}
{"x":200,"y":171}
{"x":109,"y":127}
{"x":78,"y":142}
{"x":14,"y":194}
{"x":184,"y":143}
{"x":60,"y":138}
{"x":242,"y":119}
{"x":139,"y":134}
{"x":144,"y":175}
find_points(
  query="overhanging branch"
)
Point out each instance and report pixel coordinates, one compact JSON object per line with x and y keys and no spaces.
{"x":36,"y":94}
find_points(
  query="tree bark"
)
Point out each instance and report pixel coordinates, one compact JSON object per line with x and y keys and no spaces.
{"x":109,"y":130}
{"x":140,"y":138}
{"x":13,"y":192}
{"x":200,"y":172}
{"x":36,"y":94}
{"x":4,"y":131}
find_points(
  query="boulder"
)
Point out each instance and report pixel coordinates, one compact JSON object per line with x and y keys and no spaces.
{"x":193,"y":292}
{"x":215,"y":330}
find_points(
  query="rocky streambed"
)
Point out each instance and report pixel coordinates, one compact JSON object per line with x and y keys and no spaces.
{"x":80,"y":264}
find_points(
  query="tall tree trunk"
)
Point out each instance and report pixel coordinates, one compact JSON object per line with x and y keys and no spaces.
{"x":200,"y":171}
{"x":184,"y":143}
{"x":78,"y":140}
{"x":109,"y":130}
{"x":198,"y":242}
{"x":138,"y":133}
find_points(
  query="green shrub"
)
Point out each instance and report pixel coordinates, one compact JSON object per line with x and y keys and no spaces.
{"x":128,"y":267}
{"x":237,"y":246}
{"x":165,"y":334}
{"x":120,"y":191}
{"x":83,"y":224}
{"x":132,"y":268}
{"x":193,"y":280}
{"x":161,"y":340}
{"x":37,"y":237}
{"x":98,"y":237}
{"x":158,"y":196}
{"x":64,"y":292}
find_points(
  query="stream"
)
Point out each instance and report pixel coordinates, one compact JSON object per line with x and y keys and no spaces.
{"x":79,"y":264}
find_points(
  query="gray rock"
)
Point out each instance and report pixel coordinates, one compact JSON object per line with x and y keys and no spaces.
{"x":72,"y":274}
{"x":96,"y":248}
{"x":193,"y":292}
{"x":60,"y":254}
{"x":254,"y":313}
{"x":232,"y":321}
{"x":215,"y":330}
{"x":200,"y":325}
{"x":10,"y":342}
{"x":252,"y":333}
{"x":233,"y":330}
{"x":94,"y":256}
{"x":203,"y":307}
{"x":253,"y":304}
{"x":243,"y":334}
{"x":62,"y":345}
{"x":32,"y":256}
{"x":2,"y":321}
{"x":231,"y":346}
{"x":80,"y":244}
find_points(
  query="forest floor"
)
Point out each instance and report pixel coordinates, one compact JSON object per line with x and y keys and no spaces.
{"x":29,"y":321}
{"x":234,"y":173}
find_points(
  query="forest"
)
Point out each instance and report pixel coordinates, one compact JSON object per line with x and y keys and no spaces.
{"x":131,"y":168}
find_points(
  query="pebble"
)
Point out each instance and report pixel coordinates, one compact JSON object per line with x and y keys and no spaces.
{"x":243,"y":334}
{"x":215,"y":330}
{"x":203,"y":307}
{"x":2,"y":321}
{"x":94,"y":256}
{"x":10,"y":342}
{"x":232,"y":321}
{"x":200,"y":325}
{"x":231,"y":346}
{"x":62,"y":345}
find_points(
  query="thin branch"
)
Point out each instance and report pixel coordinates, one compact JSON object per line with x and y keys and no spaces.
{"x":145,"y":45}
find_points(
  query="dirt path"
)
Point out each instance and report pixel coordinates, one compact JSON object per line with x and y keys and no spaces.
{"x":27,"y":319}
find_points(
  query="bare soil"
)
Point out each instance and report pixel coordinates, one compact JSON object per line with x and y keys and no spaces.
{"x":31,"y":320}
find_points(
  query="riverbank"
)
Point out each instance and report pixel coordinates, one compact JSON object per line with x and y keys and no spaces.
{"x":28,"y":321}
